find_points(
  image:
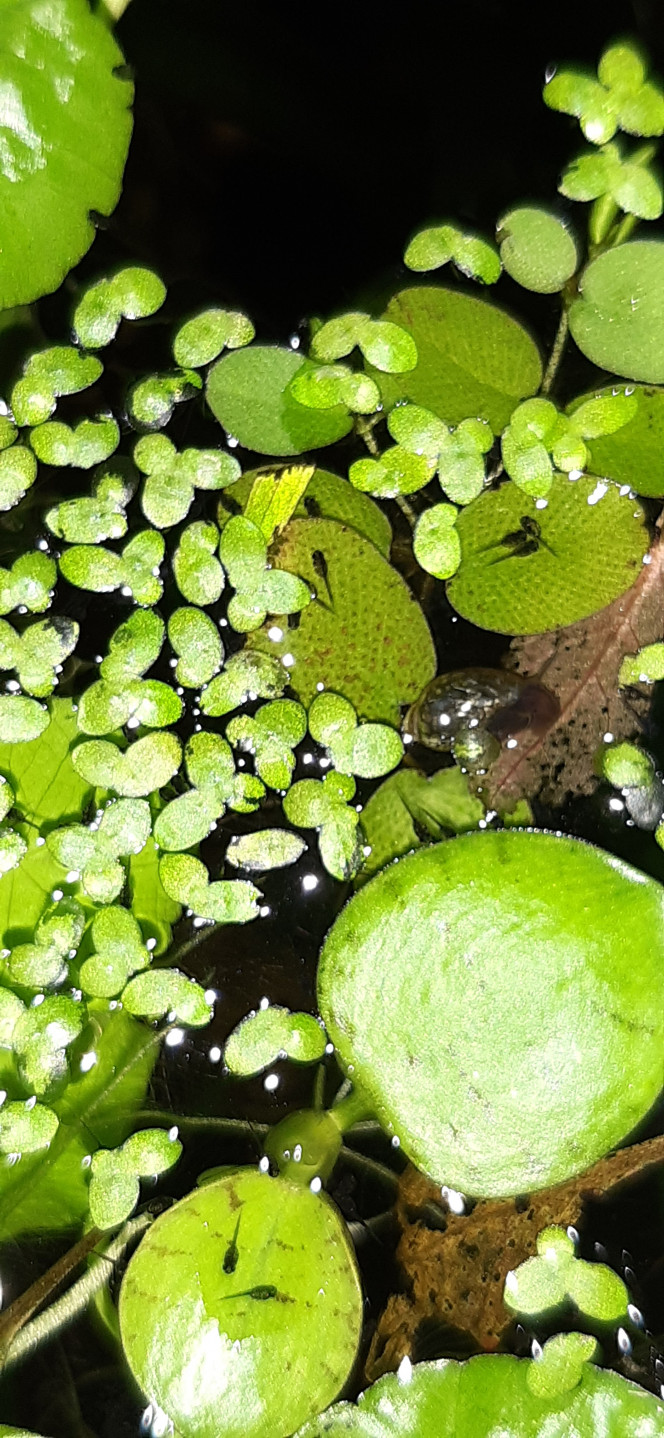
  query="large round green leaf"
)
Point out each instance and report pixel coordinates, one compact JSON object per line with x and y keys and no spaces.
{"x":530,"y":586}
{"x":490,"y":1397}
{"x":241,"y":1310}
{"x":632,"y":455}
{"x":363,"y":636}
{"x":65,"y":125}
{"x":618,"y":320}
{"x":554,"y":949}
{"x":473,"y":359}
{"x":248,"y":392}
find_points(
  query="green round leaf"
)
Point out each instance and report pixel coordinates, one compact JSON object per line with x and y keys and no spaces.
{"x":202,"y":338}
{"x":18,"y":470}
{"x":145,"y":766}
{"x":536,"y":249}
{"x":473,"y":359}
{"x":270,"y":1033}
{"x":564,"y":976}
{"x":133,"y":292}
{"x":436,"y":543}
{"x":265,"y":849}
{"x":195,"y":638}
{"x":186,"y":821}
{"x":248,"y":392}
{"x":299,"y":1299}
{"x":159,"y":991}
{"x":494,"y":1395}
{"x":66,"y":133}
{"x":634,"y":454}
{"x":626,"y":766}
{"x":618,"y":319}
{"x":364,"y":637}
{"x":21,"y":719}
{"x":560,"y":581}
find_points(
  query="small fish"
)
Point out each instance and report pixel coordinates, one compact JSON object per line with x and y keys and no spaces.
{"x":262,"y":1291}
{"x":231,"y":1255}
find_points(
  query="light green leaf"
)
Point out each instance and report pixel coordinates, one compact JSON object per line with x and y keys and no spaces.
{"x":144,"y":767}
{"x":396,"y":472}
{"x":38,"y":652}
{"x":559,"y":581}
{"x":326,"y":496}
{"x":21,"y":720}
{"x":185,"y":879}
{"x":249,"y":393}
{"x":173,"y":478}
{"x":195,"y":639}
{"x":364,"y":636}
{"x":187,"y":820}
{"x":561,"y":1365}
{"x":151,"y":401}
{"x":114,"y":1192}
{"x":368,"y":751}
{"x":467,"y":1124}
{"x":133,"y":648}
{"x":198,"y":574}
{"x":472,"y":358}
{"x":155,"y":910}
{"x":91,"y":567}
{"x":29,"y":583}
{"x":634,"y":454}
{"x":25,"y":1128}
{"x":330,"y":715}
{"x":90,"y":442}
{"x":49,"y":1192}
{"x":271,"y":1033}
{"x":436,"y":544}
{"x":201,"y":339}
{"x":537,"y":249}
{"x":92,"y":519}
{"x":439,"y":244}
{"x":288,"y":1237}
{"x":497,"y":1393}
{"x":47,"y":375}
{"x":12,"y":849}
{"x":626,"y":766}
{"x":11,"y":1009}
{"x":265,"y":849}
{"x":41,"y":773}
{"x":132,"y":293}
{"x":49,"y":185}
{"x":408,"y":804}
{"x":151,"y":1151}
{"x":18,"y":471}
{"x":618,"y":319}
{"x":245,"y":673}
{"x":160,"y":991}
{"x":644,"y":667}
{"x":273,"y":498}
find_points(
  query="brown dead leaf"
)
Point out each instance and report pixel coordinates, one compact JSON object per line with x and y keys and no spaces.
{"x":580,"y":665}
{"x":455,"y":1273}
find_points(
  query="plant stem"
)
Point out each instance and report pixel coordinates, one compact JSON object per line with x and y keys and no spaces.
{"x":72,"y":1303}
{"x":23,"y":1307}
{"x":370,"y":1166}
{"x":350,"y":1110}
{"x":406,"y":509}
{"x":557,"y":352}
{"x":191,"y":1121}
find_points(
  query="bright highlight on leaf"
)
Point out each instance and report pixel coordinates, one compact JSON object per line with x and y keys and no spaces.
{"x":265,"y":849}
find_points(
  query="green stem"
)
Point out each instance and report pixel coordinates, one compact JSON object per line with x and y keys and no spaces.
{"x":624,"y":229}
{"x":557,"y":352}
{"x":60,"y":1314}
{"x":190,"y":1121}
{"x":406,"y":509}
{"x":350,"y":1110}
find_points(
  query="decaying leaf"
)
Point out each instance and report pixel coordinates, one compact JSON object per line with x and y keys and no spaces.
{"x":580,"y":664}
{"x":455,"y":1272}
